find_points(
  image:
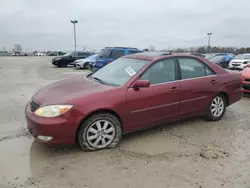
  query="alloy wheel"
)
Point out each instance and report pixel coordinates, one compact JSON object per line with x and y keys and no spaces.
{"x":100,"y":134}
{"x":217,"y":106}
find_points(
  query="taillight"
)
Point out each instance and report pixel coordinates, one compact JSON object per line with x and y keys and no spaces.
{"x":109,"y":61}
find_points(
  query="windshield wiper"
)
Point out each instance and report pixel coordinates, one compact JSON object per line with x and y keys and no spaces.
{"x":103,"y":82}
{"x":98,"y":79}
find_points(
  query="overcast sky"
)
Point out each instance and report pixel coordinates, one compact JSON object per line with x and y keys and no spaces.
{"x":45,"y":24}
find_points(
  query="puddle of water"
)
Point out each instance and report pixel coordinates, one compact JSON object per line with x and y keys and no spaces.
{"x":22,"y":158}
{"x":14,"y":165}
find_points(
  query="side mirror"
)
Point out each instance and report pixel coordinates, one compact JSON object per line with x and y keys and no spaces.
{"x":141,"y":84}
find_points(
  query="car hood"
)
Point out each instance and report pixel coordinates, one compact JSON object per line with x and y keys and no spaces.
{"x":246,"y":72}
{"x":65,"y":91}
{"x":239,"y":60}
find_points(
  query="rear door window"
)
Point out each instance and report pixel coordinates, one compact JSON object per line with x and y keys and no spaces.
{"x":209,"y":72}
{"x":191,"y":68}
{"x":115,"y":54}
{"x":83,"y":54}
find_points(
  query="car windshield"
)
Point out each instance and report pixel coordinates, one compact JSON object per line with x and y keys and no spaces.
{"x":242,"y":56}
{"x":119,"y":71}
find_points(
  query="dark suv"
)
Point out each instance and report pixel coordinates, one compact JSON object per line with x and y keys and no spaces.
{"x":109,"y":54}
{"x":63,"y":61}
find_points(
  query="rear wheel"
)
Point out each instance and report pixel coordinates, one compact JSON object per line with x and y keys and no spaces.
{"x":216,"y":108}
{"x":100,"y":131}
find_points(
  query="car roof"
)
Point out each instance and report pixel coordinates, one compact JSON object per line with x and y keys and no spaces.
{"x":81,"y":51}
{"x":121,"y":48}
{"x":152,"y":56}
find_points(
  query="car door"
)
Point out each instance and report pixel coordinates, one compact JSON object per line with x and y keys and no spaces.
{"x":198,"y":85}
{"x":158,"y":102}
{"x":73,"y":57}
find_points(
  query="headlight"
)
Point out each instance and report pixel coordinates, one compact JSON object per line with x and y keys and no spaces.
{"x":245,"y":62}
{"x":52,"y":110}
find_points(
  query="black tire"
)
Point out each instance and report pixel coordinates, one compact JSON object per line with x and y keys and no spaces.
{"x":89,"y":123}
{"x":86,"y":65}
{"x":210,"y":116}
{"x":62,"y":65}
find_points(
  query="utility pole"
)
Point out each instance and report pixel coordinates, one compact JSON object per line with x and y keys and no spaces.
{"x":208,"y":47}
{"x":209,"y":35}
{"x":74,"y":22}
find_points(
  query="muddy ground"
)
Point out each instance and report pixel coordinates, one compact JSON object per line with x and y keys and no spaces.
{"x":186,"y":154}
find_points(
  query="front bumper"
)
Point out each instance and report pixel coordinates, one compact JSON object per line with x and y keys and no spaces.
{"x":81,"y":64}
{"x":246,"y":86}
{"x":61,"y":129}
{"x":237,"y":67}
{"x":54,"y":62}
{"x":78,"y":65}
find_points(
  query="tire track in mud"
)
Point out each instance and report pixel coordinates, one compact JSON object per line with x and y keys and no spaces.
{"x":17,"y":134}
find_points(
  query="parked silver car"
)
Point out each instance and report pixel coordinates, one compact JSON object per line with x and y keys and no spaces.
{"x":84,"y":63}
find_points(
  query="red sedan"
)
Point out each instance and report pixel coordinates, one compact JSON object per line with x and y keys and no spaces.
{"x":134,"y":92}
{"x":246,"y":79}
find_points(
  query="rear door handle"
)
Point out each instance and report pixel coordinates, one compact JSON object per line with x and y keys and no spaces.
{"x":174,"y":89}
{"x":213,"y":81}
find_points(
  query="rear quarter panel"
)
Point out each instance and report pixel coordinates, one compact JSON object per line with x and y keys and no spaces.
{"x":230,"y":82}
{"x":232,"y":85}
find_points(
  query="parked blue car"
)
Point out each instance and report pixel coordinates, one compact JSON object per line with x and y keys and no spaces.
{"x":109,"y":54}
{"x":222,"y":59}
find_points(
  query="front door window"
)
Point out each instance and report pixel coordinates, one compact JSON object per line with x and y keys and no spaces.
{"x":160,"y":72}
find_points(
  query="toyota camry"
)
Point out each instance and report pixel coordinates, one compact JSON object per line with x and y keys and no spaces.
{"x":134,"y":92}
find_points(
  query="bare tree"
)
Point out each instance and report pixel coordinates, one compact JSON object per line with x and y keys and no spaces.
{"x":17,"y":49}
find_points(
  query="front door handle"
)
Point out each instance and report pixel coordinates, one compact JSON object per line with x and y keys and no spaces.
{"x":174,"y":89}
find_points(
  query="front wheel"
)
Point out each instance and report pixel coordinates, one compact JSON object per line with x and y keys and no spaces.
{"x":86,"y":65}
{"x":216,"y":108}
{"x":100,"y":131}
